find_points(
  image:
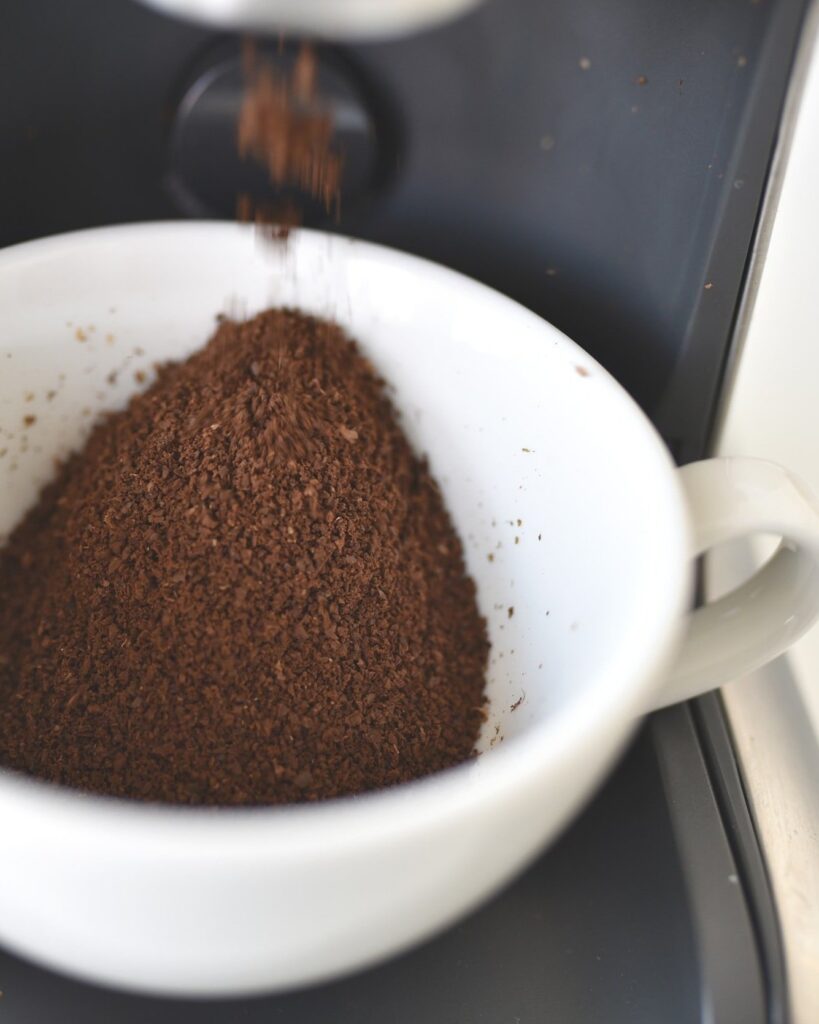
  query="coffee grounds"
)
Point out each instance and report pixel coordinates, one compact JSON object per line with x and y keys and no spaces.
{"x":273,"y":220}
{"x":244,"y":590}
{"x":284,"y":125}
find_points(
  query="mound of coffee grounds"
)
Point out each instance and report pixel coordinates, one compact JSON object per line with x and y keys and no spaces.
{"x":244,"y":590}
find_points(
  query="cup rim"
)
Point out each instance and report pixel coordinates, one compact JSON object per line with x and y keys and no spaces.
{"x":247,"y":832}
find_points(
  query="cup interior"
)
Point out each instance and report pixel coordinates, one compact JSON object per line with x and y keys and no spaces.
{"x":561,"y":493}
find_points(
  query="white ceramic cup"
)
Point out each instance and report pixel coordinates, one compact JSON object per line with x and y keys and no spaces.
{"x":544,"y":462}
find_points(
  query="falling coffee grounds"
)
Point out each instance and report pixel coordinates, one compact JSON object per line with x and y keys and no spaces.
{"x":285,"y":125}
{"x":244,"y":590}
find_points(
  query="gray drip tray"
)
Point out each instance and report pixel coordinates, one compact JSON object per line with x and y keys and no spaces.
{"x":600,"y":930}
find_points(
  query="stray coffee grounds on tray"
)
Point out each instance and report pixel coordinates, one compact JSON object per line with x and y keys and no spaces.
{"x":244,"y":590}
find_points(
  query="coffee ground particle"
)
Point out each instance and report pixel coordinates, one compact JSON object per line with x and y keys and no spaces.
{"x":273,"y":220}
{"x":285,"y":125}
{"x":244,"y":590}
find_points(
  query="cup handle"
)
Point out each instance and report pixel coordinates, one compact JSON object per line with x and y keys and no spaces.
{"x":745,"y":629}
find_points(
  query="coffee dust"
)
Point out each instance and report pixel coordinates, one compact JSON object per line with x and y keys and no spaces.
{"x":286,"y":127}
{"x":244,"y":590}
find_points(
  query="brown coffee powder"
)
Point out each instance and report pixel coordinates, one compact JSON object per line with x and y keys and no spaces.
{"x":244,"y":590}
{"x":285,"y":126}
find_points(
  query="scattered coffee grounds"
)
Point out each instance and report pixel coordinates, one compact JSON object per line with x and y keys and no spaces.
{"x":285,"y":127}
{"x":244,"y":590}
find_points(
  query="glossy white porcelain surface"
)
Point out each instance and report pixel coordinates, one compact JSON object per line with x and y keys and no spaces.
{"x":544,"y":462}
